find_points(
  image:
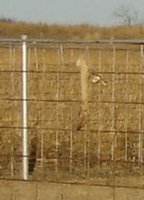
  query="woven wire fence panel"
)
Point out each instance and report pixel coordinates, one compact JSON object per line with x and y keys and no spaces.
{"x":79,"y":130}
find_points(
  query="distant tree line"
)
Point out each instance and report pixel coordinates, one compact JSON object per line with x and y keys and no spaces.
{"x":5,"y":19}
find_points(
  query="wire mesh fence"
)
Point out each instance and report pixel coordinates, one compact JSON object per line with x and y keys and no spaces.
{"x":85,"y":105}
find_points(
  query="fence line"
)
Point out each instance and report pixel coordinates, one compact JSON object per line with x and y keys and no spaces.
{"x":64,"y":142}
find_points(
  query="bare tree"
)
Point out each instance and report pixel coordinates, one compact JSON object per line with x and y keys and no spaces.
{"x":128,"y":16}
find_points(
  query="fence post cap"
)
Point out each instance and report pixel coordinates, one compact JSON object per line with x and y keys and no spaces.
{"x":24,"y":37}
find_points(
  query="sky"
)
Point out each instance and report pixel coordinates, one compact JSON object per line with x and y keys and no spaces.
{"x":97,"y":12}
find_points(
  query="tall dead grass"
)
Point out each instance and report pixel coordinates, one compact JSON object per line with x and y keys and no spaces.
{"x":13,"y":29}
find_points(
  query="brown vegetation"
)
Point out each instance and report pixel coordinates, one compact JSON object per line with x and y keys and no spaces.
{"x":13,"y":29}
{"x":111,"y":141}
{"x":64,"y":151}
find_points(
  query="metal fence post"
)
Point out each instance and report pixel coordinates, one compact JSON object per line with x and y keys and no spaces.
{"x":24,"y":108}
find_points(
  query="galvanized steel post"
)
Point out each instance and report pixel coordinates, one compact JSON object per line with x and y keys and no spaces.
{"x":24,"y":108}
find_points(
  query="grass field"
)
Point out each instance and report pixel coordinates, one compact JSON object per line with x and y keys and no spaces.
{"x":101,"y":145}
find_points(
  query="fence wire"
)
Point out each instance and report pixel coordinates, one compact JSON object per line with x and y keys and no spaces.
{"x":94,"y":138}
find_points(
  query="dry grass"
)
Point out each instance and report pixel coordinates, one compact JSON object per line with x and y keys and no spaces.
{"x":13,"y":29}
{"x":54,"y":90}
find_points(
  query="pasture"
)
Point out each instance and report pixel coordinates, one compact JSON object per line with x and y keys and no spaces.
{"x":82,"y":127}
